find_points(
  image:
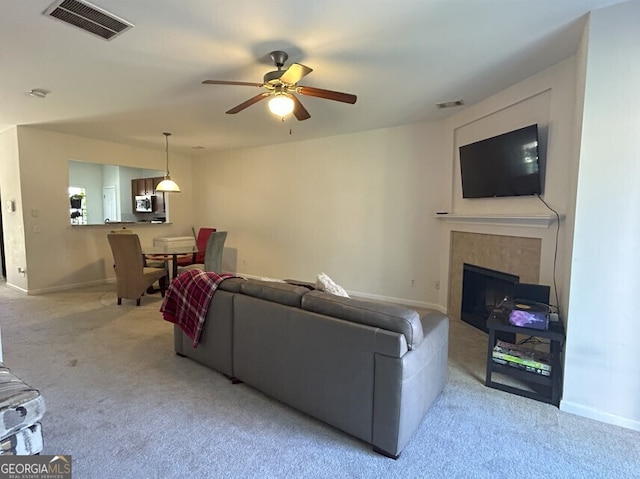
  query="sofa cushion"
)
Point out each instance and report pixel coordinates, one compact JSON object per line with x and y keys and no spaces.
{"x":387,"y":316}
{"x":283,"y":293}
{"x":299,"y":282}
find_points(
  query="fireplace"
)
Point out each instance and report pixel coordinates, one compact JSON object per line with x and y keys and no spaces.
{"x":513,"y":255}
{"x":483,"y":290}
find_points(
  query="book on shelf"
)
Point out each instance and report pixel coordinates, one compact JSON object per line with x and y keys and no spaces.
{"x":523,"y":367}
{"x":519,"y":355}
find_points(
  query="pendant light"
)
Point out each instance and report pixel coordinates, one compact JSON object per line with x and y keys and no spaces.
{"x":167,"y":185}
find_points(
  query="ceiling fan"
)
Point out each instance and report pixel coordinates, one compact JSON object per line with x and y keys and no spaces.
{"x":281,"y":86}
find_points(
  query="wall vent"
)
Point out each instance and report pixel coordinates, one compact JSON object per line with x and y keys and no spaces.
{"x":88,"y":17}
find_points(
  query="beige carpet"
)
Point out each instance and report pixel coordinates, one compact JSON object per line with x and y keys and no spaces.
{"x":123,"y":405}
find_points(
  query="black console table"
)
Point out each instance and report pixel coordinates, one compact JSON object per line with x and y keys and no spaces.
{"x":545,"y":388}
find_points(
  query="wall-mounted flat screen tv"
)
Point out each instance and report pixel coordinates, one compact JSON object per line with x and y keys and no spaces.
{"x":504,"y":165}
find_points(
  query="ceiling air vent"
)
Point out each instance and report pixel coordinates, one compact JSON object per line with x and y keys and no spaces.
{"x":88,"y":17}
{"x":450,"y":104}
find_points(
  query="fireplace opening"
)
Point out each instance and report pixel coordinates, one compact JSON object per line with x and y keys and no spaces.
{"x":483,"y":290}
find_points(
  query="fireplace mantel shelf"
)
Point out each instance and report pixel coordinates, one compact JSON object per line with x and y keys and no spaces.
{"x":533,"y":221}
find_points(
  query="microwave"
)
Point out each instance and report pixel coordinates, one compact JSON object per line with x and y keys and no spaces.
{"x":144,"y":204}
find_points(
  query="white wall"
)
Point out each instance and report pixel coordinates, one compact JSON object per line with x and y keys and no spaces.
{"x":601,"y":357}
{"x":12,"y":222}
{"x":358,"y":207}
{"x":59,"y":255}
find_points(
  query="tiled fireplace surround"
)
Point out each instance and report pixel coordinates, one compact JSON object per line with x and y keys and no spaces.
{"x":511,"y":254}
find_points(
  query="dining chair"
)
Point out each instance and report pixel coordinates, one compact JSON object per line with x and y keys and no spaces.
{"x":212,"y":260}
{"x":201,"y":244}
{"x":213,"y":252}
{"x":152,"y":261}
{"x":132,"y":276}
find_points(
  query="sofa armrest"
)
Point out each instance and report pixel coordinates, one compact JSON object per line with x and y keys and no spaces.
{"x":405,"y":388}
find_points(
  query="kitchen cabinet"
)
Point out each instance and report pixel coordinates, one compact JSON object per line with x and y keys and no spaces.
{"x":159,"y":204}
{"x":142,"y":187}
{"x":147,"y":187}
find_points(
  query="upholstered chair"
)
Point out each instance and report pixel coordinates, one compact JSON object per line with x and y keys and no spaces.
{"x":201,"y":243}
{"x":132,"y":277}
{"x":212,"y":253}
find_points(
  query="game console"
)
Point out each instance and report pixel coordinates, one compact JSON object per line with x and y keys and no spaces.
{"x":530,"y":314}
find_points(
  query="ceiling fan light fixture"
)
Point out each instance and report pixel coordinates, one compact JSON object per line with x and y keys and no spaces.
{"x":280,"y":86}
{"x":281,"y":105}
{"x":167,"y":185}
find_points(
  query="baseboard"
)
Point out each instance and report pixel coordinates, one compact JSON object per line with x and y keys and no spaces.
{"x":17,"y":288}
{"x":598,"y":415}
{"x":66,"y":287}
{"x":400,"y":301}
{"x":253,"y":276}
{"x":377,"y":297}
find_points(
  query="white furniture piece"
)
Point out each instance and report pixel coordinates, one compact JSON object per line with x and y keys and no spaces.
{"x":174,"y":241}
{"x":21,"y":410}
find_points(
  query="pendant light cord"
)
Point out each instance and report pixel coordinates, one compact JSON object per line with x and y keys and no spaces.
{"x":166,"y":138}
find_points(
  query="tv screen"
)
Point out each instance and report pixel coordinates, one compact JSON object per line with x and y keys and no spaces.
{"x":504,"y":165}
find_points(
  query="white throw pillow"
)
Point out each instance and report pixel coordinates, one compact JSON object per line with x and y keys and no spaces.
{"x":326,"y":284}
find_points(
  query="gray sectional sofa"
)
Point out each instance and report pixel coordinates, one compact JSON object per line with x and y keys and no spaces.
{"x":368,"y":368}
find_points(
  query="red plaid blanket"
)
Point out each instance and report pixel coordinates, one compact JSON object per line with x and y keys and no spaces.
{"x":187,"y":300}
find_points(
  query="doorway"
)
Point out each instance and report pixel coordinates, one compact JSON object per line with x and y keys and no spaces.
{"x":109,"y":204}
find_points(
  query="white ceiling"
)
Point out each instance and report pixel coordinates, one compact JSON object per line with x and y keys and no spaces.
{"x":400,"y":57}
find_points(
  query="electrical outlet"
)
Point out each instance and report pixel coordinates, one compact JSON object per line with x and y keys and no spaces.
{"x":436,"y":285}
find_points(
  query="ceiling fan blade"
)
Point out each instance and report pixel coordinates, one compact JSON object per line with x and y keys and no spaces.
{"x":248,"y":103}
{"x":295,"y":73}
{"x":299,"y":111}
{"x":225,"y":82}
{"x":327,"y":94}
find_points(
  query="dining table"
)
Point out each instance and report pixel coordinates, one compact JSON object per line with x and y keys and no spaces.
{"x":168,"y":254}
